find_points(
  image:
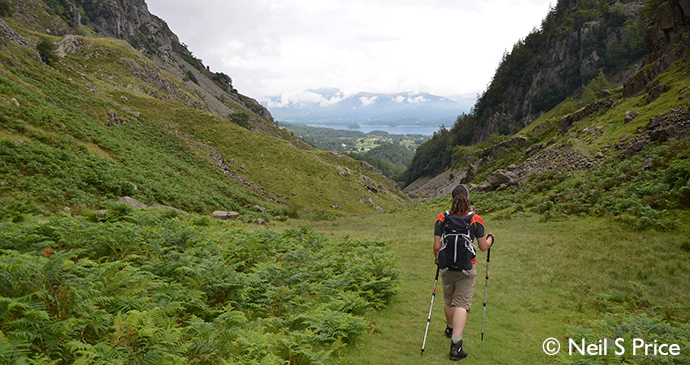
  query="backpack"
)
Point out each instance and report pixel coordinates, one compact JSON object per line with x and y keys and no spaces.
{"x":458,"y":248}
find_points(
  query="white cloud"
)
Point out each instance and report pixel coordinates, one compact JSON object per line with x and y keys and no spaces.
{"x":398,"y":99}
{"x":283,"y":47}
{"x":303,"y":98}
{"x":368,"y":101}
{"x":419,"y":99}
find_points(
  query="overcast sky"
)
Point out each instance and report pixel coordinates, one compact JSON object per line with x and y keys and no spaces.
{"x":284,"y":47}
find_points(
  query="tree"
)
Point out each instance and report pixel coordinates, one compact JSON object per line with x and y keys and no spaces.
{"x":594,"y":87}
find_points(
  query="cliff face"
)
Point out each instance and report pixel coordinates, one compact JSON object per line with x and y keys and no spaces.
{"x":130,"y":20}
{"x":668,"y":37}
{"x":573,"y":45}
{"x":631,"y":43}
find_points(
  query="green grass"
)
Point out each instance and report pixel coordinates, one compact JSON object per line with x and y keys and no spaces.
{"x":547,"y":279}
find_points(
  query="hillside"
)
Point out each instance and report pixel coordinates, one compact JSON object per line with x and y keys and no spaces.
{"x":510,"y":102}
{"x":90,"y":119}
{"x":622,"y":155}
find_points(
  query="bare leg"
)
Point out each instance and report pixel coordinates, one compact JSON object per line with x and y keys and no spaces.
{"x":459,"y":318}
{"x":450,"y":312}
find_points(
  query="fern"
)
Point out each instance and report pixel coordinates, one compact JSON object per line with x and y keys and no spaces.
{"x":161,"y":290}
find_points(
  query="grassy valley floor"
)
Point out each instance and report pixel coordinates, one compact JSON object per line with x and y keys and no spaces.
{"x":576,"y":278}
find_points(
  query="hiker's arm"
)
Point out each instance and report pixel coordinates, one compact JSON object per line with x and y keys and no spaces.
{"x":437,"y":246}
{"x":484,"y":243}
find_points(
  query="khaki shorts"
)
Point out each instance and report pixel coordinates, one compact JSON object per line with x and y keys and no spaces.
{"x":458,"y":288}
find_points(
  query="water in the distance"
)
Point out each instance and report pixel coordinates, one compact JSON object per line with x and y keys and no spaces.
{"x":399,"y":129}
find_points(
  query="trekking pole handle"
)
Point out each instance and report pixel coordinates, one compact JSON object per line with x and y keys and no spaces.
{"x":488,"y":252}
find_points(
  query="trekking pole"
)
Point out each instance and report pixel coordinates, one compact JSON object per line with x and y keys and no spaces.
{"x":428,"y":320}
{"x":486,"y":286}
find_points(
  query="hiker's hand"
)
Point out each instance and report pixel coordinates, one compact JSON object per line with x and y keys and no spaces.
{"x":492,"y":239}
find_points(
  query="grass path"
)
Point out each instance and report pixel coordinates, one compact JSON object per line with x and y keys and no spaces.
{"x":543,"y":280}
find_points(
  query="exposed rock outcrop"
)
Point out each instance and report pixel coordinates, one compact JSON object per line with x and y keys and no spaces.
{"x":673,"y":124}
{"x":131,"y":202}
{"x":225,"y":215}
{"x":573,"y":118}
{"x":130,"y":20}
{"x":436,"y":186}
{"x":667,"y":35}
{"x":567,"y":60}
{"x":7,"y":31}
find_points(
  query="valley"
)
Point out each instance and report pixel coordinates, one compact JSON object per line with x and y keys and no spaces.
{"x":151,"y":213}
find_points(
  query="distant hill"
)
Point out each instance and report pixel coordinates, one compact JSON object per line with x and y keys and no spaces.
{"x":330,"y":106}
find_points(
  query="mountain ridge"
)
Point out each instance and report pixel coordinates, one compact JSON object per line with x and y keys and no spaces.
{"x":330,"y":105}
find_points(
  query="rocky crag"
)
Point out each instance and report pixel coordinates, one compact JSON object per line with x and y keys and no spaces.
{"x":667,"y":36}
{"x":574,"y":43}
{"x":130,"y":20}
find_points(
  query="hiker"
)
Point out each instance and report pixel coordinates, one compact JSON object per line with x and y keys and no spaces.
{"x":458,"y":277}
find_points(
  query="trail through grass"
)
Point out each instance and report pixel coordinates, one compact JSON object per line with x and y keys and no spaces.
{"x":546,"y":279}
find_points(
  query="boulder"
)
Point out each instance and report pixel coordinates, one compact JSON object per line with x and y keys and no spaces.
{"x":484,"y":187}
{"x":343,"y":171}
{"x":656,"y":92}
{"x":131,"y":202}
{"x":69,"y":44}
{"x":664,"y":16}
{"x":499,"y":177}
{"x":656,"y":121}
{"x":224,"y":215}
{"x":647,"y":164}
{"x":630,"y":115}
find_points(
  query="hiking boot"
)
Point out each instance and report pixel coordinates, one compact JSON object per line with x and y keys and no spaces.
{"x":456,"y":351}
{"x":449,"y":332}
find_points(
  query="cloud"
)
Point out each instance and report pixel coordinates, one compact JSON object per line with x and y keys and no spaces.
{"x":303,"y":98}
{"x":368,"y":101}
{"x":419,"y":99}
{"x":398,"y":99}
{"x":282,"y":47}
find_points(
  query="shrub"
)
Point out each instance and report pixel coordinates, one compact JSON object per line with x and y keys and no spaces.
{"x":46,"y":49}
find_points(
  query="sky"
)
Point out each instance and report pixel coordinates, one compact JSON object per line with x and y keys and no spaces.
{"x":281,"y":48}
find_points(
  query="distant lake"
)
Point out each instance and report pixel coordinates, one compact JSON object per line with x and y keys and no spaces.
{"x":398,"y":129}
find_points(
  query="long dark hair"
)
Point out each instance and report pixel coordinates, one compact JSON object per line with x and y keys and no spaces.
{"x":461,"y":200}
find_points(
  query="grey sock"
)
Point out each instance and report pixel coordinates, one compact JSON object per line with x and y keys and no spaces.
{"x":456,"y":339}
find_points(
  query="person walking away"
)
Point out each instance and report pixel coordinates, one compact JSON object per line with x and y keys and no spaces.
{"x":458,"y":278}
